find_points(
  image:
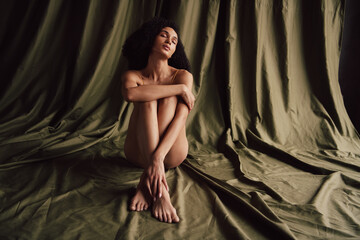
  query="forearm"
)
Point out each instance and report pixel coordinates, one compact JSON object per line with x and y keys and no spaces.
{"x":170,"y":136}
{"x":152,"y":92}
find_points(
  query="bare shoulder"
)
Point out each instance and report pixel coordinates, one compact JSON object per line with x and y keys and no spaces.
{"x":131,"y":77}
{"x":184,"y":77}
{"x":130,"y":74}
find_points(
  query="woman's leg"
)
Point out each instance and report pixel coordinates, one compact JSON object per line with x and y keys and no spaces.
{"x":143,"y":134}
{"x":162,"y":207}
{"x":166,"y":113}
{"x":141,"y":141}
{"x":147,"y":125}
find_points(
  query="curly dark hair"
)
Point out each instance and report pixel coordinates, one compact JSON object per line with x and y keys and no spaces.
{"x":138,"y":46}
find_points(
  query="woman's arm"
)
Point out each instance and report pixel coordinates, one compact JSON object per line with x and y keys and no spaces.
{"x":132,"y":91}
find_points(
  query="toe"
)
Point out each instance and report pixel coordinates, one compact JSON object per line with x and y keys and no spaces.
{"x":165,"y":216}
{"x":175,"y":217}
{"x":169,"y":218}
{"x":132,"y":206}
{"x":156,"y":214}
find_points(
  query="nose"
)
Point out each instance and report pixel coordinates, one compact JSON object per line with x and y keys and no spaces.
{"x":168,"y":41}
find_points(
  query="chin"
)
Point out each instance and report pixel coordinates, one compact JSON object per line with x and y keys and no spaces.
{"x":167,"y":56}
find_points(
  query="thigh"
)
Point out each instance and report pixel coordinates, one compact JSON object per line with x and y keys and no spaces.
{"x":134,"y":152}
{"x":178,"y":151}
{"x":131,"y":148}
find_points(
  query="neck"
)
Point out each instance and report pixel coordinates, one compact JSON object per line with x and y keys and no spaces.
{"x":156,"y":68}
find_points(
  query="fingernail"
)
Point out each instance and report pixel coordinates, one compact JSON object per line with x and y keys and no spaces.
{"x":160,"y":195}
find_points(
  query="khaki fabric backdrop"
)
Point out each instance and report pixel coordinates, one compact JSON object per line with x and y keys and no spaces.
{"x":273,"y":154}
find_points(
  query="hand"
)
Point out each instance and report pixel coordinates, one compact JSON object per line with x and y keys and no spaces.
{"x":188,"y":97}
{"x":155,"y":178}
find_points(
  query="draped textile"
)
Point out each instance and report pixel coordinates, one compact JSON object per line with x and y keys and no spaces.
{"x":273,"y":153}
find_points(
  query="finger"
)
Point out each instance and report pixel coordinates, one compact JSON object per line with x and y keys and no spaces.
{"x":149,"y":187}
{"x":190,"y":103}
{"x":187,"y":103}
{"x":166,"y":185}
{"x":186,"y":100}
{"x":154,"y":187}
{"x":155,"y":190}
{"x":159,"y":188}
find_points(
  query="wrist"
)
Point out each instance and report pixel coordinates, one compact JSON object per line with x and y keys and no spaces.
{"x":158,"y":158}
{"x":182,"y":89}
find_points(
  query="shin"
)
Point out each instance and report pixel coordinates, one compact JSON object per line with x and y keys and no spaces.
{"x":147,"y":131}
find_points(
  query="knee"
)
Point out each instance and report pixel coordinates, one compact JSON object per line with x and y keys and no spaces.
{"x":175,"y":161}
{"x":168,"y":101}
{"x":173,"y":164}
{"x":150,"y":105}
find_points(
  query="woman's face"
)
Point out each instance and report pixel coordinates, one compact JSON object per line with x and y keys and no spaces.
{"x":165,"y":42}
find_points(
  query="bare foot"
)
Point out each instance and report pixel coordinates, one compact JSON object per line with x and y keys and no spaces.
{"x":164,"y":210}
{"x":140,"y":201}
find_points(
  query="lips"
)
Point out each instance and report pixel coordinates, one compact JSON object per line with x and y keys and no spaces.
{"x":167,"y":48}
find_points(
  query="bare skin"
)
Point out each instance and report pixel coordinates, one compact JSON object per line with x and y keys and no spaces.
{"x":156,"y":137}
{"x":141,"y":200}
{"x":164,"y":210}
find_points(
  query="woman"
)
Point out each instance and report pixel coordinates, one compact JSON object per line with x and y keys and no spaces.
{"x":159,"y":84}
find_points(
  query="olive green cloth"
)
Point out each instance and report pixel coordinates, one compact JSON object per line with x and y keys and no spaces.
{"x":273,"y":154}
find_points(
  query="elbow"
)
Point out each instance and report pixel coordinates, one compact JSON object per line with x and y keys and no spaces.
{"x":127,"y":98}
{"x":127,"y":95}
